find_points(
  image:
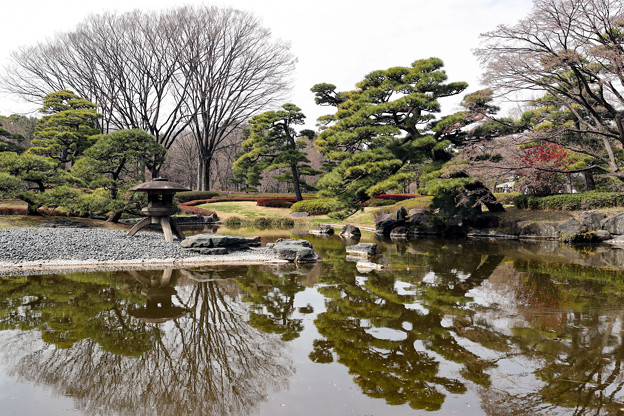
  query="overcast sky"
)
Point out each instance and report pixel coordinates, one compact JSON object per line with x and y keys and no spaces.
{"x":335,"y":41}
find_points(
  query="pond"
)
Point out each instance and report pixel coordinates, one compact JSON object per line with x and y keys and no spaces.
{"x":447,"y":327}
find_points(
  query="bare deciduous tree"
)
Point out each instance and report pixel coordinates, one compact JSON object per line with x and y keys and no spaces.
{"x":573,"y":51}
{"x":203,"y":68}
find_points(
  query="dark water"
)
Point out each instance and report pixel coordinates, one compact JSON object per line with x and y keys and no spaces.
{"x":448,"y":327}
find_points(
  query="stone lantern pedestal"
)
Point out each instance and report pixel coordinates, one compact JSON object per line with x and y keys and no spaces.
{"x":159,"y":207}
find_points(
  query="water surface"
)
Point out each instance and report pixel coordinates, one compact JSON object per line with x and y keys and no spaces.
{"x":447,"y":327}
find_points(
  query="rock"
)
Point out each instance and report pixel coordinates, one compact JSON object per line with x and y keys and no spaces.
{"x":229,"y":242}
{"x":455,"y":227}
{"x":570,"y":228}
{"x":616,"y":241}
{"x":482,"y":222}
{"x":295,"y":253}
{"x":367,"y":266}
{"x":591,"y":220}
{"x":401,"y":214}
{"x":603,"y":235}
{"x":614,"y":224}
{"x":362,"y":249}
{"x":540,"y":230}
{"x":299,"y":214}
{"x":298,"y":251}
{"x":323,"y":230}
{"x":399,"y":233}
{"x":211,"y":251}
{"x":517,"y":226}
{"x":253,"y":241}
{"x":292,"y":242}
{"x":385,"y":227}
{"x":350,"y":231}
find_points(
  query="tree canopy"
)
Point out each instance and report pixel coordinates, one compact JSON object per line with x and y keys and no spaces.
{"x":382,"y":131}
{"x":272,"y":144}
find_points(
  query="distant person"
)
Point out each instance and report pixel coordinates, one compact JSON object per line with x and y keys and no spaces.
{"x":526,"y":190}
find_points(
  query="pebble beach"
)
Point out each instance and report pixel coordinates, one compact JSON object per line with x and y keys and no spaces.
{"x":25,"y":250}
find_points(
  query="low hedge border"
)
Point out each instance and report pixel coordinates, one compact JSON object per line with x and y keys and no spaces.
{"x":571,"y":202}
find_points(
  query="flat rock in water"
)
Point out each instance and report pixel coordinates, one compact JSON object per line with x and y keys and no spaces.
{"x":367,"y":266}
{"x":323,"y":230}
{"x":297,"y":251}
{"x":229,"y":242}
{"x":350,"y":230}
{"x":362,"y":249}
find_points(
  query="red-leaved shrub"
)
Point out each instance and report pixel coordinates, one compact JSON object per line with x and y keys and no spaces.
{"x":195,"y":210}
{"x":276,"y":202}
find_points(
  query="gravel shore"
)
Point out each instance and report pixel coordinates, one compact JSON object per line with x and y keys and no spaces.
{"x":58,"y":249}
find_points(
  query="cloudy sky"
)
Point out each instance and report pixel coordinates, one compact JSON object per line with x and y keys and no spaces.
{"x":335,"y":41}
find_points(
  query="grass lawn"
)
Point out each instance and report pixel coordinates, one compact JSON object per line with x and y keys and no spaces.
{"x":250,"y":211}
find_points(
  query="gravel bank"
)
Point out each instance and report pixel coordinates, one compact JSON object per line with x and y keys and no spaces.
{"x":58,"y":249}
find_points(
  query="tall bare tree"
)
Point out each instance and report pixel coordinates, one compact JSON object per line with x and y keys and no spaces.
{"x":204,"y":68}
{"x":572,"y":51}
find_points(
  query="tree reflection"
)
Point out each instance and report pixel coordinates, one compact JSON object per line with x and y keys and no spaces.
{"x":390,"y":330}
{"x":206,"y":362}
{"x":271,"y":293}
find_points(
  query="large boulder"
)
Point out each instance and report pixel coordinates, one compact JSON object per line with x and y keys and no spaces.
{"x":570,"y":228}
{"x":297,"y":251}
{"x":385,"y":227}
{"x":362,"y":249}
{"x":540,"y":230}
{"x":399,"y":233}
{"x":591,"y":220}
{"x":614,"y":224}
{"x":203,"y":241}
{"x":350,"y":231}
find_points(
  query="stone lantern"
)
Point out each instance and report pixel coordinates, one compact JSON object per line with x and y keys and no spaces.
{"x":159,"y":207}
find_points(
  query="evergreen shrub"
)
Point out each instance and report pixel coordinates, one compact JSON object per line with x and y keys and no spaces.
{"x":318,"y":206}
{"x":572,"y":202}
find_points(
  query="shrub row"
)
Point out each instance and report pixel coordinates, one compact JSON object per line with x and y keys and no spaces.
{"x":584,"y":201}
{"x":506,"y":198}
{"x":276,"y":202}
{"x":194,"y":195}
{"x":195,"y":210}
{"x":195,"y":202}
{"x":397,"y":197}
{"x":318,"y":206}
{"x":24,"y":211}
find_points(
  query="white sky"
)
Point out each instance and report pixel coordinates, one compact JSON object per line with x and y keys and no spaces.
{"x":335,"y":41}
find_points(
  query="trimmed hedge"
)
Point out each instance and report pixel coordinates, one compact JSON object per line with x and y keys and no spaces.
{"x":195,"y":202}
{"x":379,"y":202}
{"x":318,"y":206}
{"x":397,"y":197}
{"x":195,"y":210}
{"x":187,"y":196}
{"x":276,"y":202}
{"x":572,"y":202}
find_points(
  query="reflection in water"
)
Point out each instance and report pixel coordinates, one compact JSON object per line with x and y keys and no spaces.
{"x":530,"y":328}
{"x":542,"y":335}
{"x":206,"y":362}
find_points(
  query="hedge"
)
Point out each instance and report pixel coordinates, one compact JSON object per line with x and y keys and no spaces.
{"x":318,"y":206}
{"x":572,"y":202}
{"x":195,"y":210}
{"x":187,"y":196}
{"x":276,"y":202}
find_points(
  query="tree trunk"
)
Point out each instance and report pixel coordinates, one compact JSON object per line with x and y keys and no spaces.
{"x":204,"y":174}
{"x":589,"y":180}
{"x":114,"y":216}
{"x":295,"y":175}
